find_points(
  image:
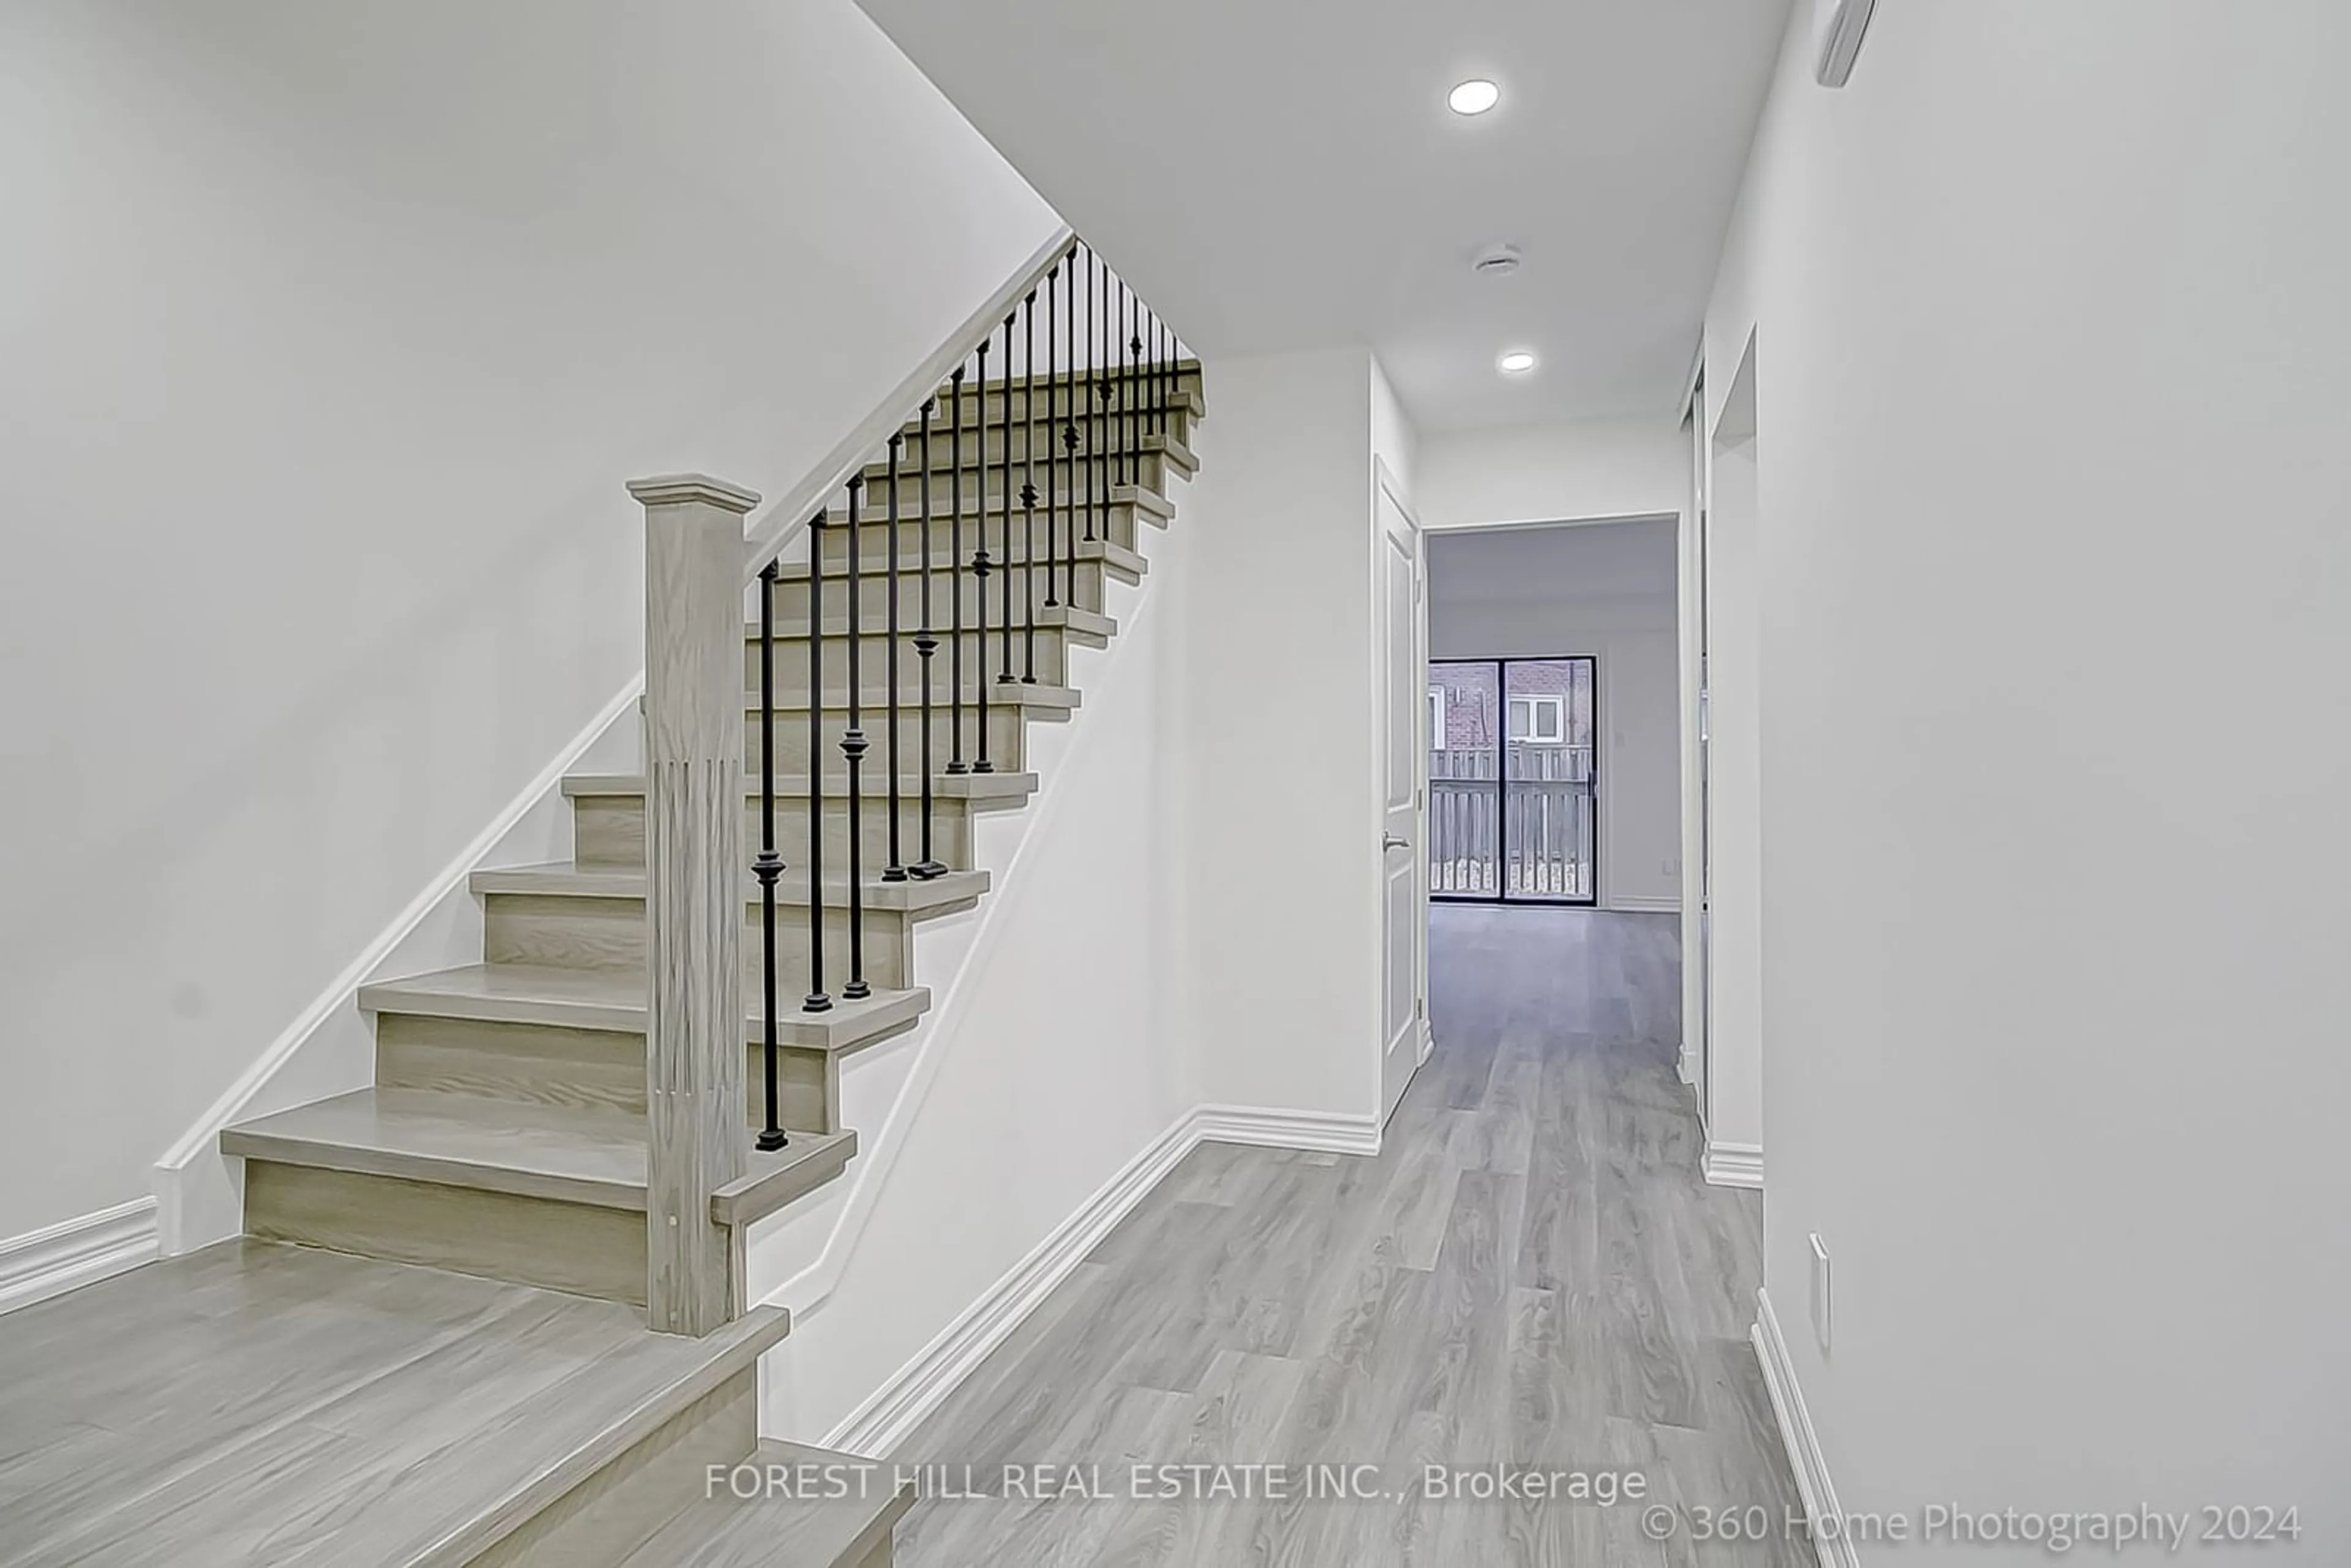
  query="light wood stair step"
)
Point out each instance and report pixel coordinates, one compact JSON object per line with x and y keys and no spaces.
{"x":253,"y":1401}
{"x":563,"y":879}
{"x":1184,"y":383}
{"x":1120,"y":446}
{"x":778,"y":1531}
{"x":946,"y":501}
{"x":1125,"y":564}
{"x":590,"y":1157}
{"x":614,"y":1001}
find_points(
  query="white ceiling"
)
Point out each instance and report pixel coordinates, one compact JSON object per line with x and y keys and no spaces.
{"x":1284,"y":174}
{"x":1564,"y":560}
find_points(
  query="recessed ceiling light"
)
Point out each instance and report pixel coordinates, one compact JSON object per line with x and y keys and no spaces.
{"x":1474,"y":96}
{"x":1516,"y":361}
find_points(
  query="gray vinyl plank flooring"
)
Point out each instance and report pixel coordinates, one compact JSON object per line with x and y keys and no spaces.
{"x":1530,"y":1273}
{"x":255,"y":1403}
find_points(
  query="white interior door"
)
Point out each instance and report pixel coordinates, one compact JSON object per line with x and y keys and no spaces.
{"x":1403,"y":753}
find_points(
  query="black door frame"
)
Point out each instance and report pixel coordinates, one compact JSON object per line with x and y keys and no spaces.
{"x":1502,"y":782}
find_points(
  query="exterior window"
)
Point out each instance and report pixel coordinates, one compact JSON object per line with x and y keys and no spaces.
{"x":1436,"y":716}
{"x":1540,"y":720}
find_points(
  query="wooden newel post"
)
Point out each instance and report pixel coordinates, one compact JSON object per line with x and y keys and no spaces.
{"x":696,"y":868}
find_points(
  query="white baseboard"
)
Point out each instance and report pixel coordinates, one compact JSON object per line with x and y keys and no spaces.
{"x":76,"y":1252}
{"x":890,"y":1415}
{"x":1644,"y":903}
{"x":891,"y":1412}
{"x":1324,"y":1131}
{"x":196,"y":1203}
{"x":1734,"y":1165}
{"x":1812,"y":1485}
{"x":1684,"y":1063}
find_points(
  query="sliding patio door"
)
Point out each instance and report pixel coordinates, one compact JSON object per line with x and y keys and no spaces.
{"x":1513,"y":803}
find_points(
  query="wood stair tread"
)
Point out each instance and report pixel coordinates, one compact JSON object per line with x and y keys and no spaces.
{"x":781,"y":1531}
{"x":1050,"y":618}
{"x":876,"y":702}
{"x":615,"y":1000}
{"x":562,"y":879}
{"x":910,"y":508}
{"x":355,"y":1410}
{"x":1009,"y":786}
{"x":943,"y":558}
{"x":561,"y":1153}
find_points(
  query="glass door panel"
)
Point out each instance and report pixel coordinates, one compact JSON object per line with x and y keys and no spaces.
{"x":1465,"y":722}
{"x":1512,"y":780}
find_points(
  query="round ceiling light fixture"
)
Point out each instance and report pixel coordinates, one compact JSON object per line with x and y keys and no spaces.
{"x":1475,"y":96}
{"x":1515,"y":362}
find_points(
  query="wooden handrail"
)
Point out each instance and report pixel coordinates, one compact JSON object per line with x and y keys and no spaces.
{"x":774,"y":525}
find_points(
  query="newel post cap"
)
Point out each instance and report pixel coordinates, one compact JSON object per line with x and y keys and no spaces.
{"x":675,"y":490}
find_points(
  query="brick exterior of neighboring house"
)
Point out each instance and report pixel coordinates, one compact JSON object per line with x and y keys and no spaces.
{"x":1473,"y":719}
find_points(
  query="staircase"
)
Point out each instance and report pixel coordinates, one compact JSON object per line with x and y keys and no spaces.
{"x":507,"y":1134}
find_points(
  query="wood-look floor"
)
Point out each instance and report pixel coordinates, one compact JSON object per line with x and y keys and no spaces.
{"x":1529,"y":1274}
{"x":257,"y":1404}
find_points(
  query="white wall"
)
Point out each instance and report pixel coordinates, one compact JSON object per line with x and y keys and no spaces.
{"x":1633,"y":638}
{"x":1553,"y":472}
{"x":327,"y":336}
{"x":2050,"y":323}
{"x":1280,"y":752}
{"x":1057,"y":1051}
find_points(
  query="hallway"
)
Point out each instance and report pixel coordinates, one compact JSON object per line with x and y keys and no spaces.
{"x":1529,"y":1274}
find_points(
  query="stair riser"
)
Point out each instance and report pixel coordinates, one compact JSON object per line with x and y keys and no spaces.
{"x":1006,"y":738}
{"x":609,"y":829}
{"x":1081,"y":584}
{"x":576,"y":1247}
{"x":609,"y":933}
{"x":1185,"y":385}
{"x":1118,"y":523}
{"x":544,"y":1065}
{"x":600,"y":1523}
{"x":1096,"y":438}
{"x":791,"y":653}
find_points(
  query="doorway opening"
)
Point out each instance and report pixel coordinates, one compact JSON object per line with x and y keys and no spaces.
{"x":1513,"y":774}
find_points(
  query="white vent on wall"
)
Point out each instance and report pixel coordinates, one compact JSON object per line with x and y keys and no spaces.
{"x":1837,"y":28}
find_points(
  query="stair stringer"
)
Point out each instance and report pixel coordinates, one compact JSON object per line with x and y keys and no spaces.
{"x":804,"y":1257}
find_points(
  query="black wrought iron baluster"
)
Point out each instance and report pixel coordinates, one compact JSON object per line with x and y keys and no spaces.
{"x":955,"y":573}
{"x":852,"y":748}
{"x":1070,"y":438}
{"x":1004,"y":527}
{"x":818,"y":999}
{"x":1134,"y":389}
{"x":926,"y":643}
{"x":1052,"y":416}
{"x":896,"y":870}
{"x":979,"y":557}
{"x":1098,"y":352}
{"x":1028,"y":486}
{"x":769,"y":866}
